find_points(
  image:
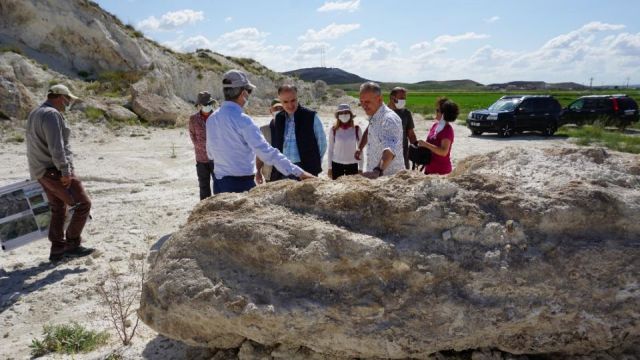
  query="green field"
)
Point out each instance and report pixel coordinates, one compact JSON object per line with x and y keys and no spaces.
{"x":423,"y":102}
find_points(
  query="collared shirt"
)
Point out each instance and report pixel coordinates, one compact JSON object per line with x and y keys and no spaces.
{"x":290,"y":147}
{"x":233,"y":140}
{"x":385,"y":132}
{"x":198,"y":134}
{"x":48,"y":145}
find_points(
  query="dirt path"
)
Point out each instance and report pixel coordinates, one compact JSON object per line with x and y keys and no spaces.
{"x":143,"y":186}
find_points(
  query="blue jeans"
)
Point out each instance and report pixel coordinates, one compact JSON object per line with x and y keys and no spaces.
{"x":235,"y":184}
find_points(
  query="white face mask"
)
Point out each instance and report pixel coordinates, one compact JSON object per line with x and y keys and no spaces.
{"x":344,"y":118}
{"x":207,"y":109}
{"x":246,"y":101}
{"x":400,"y":103}
{"x":68,"y":106}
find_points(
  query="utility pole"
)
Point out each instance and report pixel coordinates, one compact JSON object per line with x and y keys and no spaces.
{"x":591,"y":83}
{"x":322,"y":63}
{"x":628,"y":82}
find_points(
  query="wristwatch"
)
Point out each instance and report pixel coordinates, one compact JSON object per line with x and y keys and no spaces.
{"x":378,"y":169}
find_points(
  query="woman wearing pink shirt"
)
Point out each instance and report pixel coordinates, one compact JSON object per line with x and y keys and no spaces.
{"x":440,"y":138}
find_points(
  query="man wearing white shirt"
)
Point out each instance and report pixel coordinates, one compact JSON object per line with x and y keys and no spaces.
{"x":384,"y":139}
{"x":233,"y":140}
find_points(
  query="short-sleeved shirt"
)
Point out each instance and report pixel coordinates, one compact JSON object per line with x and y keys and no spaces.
{"x":439,"y":164}
{"x":385,"y":132}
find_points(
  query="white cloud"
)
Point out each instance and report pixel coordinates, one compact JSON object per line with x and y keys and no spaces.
{"x":312,"y":48}
{"x":599,"y":26}
{"x":596,"y":49}
{"x":189,"y":44}
{"x":492,"y":19}
{"x":332,"y":31}
{"x":370,"y":49}
{"x":228,"y":19}
{"x":425,"y":45}
{"x":244,"y":34}
{"x":448,"y":39}
{"x":350,"y":6}
{"x":171,"y":20}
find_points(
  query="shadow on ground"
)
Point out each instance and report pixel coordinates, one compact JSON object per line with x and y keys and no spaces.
{"x":15,"y":284}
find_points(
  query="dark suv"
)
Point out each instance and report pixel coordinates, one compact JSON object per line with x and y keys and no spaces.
{"x":616,"y":110}
{"x":517,"y":113}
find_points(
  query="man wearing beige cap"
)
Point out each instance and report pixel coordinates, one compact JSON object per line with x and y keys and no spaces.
{"x":234,"y":140}
{"x":198,"y":133}
{"x":50,"y":162}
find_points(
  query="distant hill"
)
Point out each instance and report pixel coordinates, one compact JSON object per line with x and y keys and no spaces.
{"x":332,"y":76}
{"x":536,"y":85}
{"x":348,"y":81}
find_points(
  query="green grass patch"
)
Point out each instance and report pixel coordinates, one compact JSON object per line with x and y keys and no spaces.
{"x":67,"y":339}
{"x":114,"y":83}
{"x":635,"y":125}
{"x":255,"y":67}
{"x":93,"y":114}
{"x":203,"y":60}
{"x":597,"y":135}
{"x":11,"y":48}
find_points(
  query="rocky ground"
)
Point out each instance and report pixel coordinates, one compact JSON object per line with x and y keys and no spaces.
{"x":143,"y":186}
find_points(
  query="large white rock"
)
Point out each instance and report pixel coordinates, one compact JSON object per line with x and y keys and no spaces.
{"x":528,"y":252}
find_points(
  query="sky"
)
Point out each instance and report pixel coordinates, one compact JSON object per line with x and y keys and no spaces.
{"x":409,"y":41}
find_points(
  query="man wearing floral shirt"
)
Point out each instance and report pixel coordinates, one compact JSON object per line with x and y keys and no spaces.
{"x":198,"y":134}
{"x":384,"y":148}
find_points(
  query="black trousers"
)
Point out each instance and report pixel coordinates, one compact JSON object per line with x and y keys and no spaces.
{"x":205,"y":175}
{"x":338,"y":170}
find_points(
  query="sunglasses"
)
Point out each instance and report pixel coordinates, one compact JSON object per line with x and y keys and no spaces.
{"x":249,"y":90}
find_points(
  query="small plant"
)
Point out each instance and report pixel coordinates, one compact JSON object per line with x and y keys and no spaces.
{"x":67,"y":339}
{"x":16,"y":138}
{"x":118,"y":295}
{"x":173,"y":151}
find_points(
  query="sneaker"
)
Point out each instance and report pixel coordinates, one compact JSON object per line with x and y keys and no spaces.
{"x":79,"y":251}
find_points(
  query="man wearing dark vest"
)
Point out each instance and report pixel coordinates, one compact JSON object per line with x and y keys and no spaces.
{"x":298,"y":134}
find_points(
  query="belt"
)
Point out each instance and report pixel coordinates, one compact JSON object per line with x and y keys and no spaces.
{"x":248,"y":177}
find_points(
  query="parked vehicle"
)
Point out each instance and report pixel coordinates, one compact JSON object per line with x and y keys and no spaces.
{"x":612,"y":110}
{"x":517,"y":113}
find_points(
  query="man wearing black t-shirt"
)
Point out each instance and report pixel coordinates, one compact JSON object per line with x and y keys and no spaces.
{"x":397,"y":102}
